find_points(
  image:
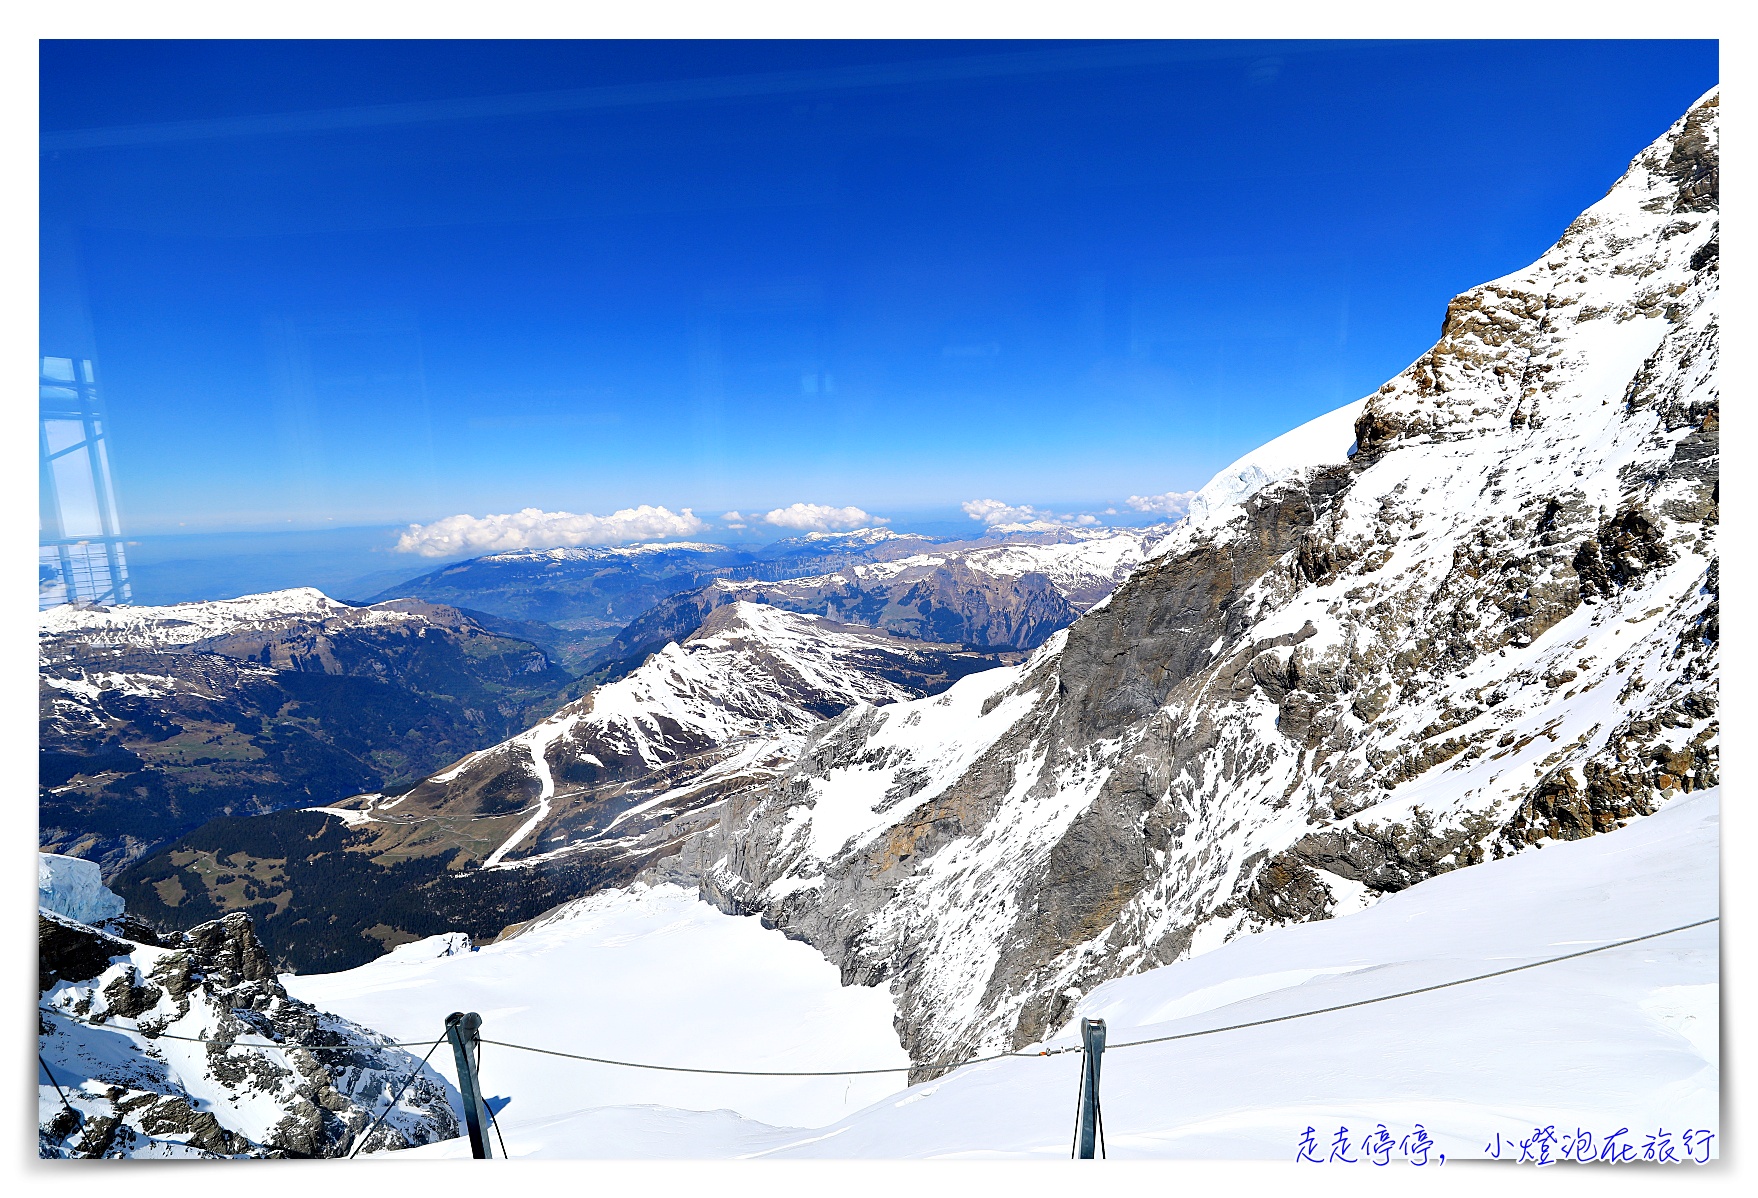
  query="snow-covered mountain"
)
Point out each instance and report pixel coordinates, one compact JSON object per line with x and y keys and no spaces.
{"x":192,"y":1048}
{"x":732,"y":702}
{"x":1475,"y":612}
{"x":580,"y":801}
{"x":154,"y":720}
{"x":301,"y":609}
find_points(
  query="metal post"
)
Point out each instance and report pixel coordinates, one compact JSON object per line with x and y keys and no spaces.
{"x":462,"y":1030}
{"x":1092,"y":1039}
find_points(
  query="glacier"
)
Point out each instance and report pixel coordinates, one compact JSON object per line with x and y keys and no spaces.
{"x":73,"y":887}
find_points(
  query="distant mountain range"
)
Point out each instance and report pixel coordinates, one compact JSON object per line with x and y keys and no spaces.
{"x":154,"y":720}
{"x":166,"y":729}
{"x":987,"y":594}
{"x":572,"y":798}
{"x":586,"y":595}
{"x":595,"y":608}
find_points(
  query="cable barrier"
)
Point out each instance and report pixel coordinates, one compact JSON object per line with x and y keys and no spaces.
{"x":463,"y":1029}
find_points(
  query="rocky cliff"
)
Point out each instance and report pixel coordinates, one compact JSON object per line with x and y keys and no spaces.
{"x":1472,"y":613}
{"x":147,"y":1050}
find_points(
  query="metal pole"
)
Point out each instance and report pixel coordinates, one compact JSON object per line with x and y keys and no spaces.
{"x":462,"y":1030}
{"x":1092,"y":1039}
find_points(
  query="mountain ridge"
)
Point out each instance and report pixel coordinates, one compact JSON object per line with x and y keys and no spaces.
{"x":578,"y":802}
{"x":1358,"y":671}
{"x":154,"y":719}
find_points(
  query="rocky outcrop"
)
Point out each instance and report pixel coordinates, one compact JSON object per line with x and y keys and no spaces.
{"x":155,"y":1053}
{"x":1491,"y":621}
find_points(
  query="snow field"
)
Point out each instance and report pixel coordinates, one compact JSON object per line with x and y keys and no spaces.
{"x":1621,"y":1039}
{"x":645,"y":974}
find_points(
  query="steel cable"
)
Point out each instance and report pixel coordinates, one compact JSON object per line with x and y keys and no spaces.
{"x":574,"y":1056}
{"x":62,"y":1094}
{"x":1234,"y":1027}
{"x":958,"y":1064}
{"x":395,"y":1098}
{"x":1050,"y":1052}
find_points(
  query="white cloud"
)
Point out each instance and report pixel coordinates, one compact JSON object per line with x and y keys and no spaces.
{"x":533,"y":528}
{"x":819,"y":517}
{"x":1172,"y":503}
{"x":994,"y":513}
{"x":736,"y":520}
{"x":991,"y":511}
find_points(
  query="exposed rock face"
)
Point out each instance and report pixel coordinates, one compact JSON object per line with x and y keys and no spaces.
{"x":152,"y":1048}
{"x":1490,"y":621}
{"x":154,"y":720}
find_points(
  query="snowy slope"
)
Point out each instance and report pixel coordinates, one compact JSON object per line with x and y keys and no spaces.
{"x":645,"y":974}
{"x":1326,"y":440}
{"x":1621,"y":1039}
{"x":186,"y":623}
{"x":735,"y":700}
{"x":1495,"y":624}
{"x":1626,"y":1038}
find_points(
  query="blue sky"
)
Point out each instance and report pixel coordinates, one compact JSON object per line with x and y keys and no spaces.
{"x":726,"y":276}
